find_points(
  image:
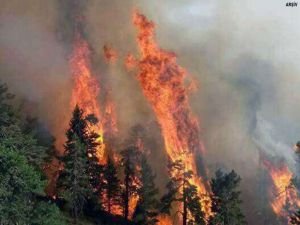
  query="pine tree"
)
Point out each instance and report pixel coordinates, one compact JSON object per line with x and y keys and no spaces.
{"x":146,"y":210}
{"x":46,"y":213}
{"x":13,"y":132}
{"x":22,"y":197}
{"x":20,"y":183}
{"x":39,"y":131}
{"x":129,"y":162}
{"x":226,"y":202}
{"x":181,"y":190}
{"x":7,"y":114}
{"x":111,"y":186}
{"x":79,"y":160}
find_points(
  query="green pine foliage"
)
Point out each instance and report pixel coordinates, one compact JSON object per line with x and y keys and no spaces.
{"x":111,"y":186}
{"x":46,"y":213}
{"x":13,"y":133}
{"x":226,"y":200}
{"x":22,"y":197}
{"x":146,"y":210}
{"x":19,"y":182}
{"x":181,"y":190}
{"x":75,"y":180}
{"x":7,"y":114}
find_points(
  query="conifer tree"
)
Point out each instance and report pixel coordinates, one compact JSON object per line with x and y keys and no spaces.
{"x":20,"y":183}
{"x":13,"y":134}
{"x":226,"y":202}
{"x":146,"y":210}
{"x":129,"y":162}
{"x":46,"y":213}
{"x":111,"y":186}
{"x":181,"y":190}
{"x":7,"y":114}
{"x":22,"y":197}
{"x":75,"y":180}
{"x":39,"y":131}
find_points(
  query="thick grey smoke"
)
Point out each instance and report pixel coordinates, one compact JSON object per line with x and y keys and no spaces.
{"x":244,"y":55}
{"x":245,"y":59}
{"x":32,"y":61}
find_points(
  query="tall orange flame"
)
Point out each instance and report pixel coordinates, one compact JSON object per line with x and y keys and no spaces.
{"x":163,"y":83}
{"x":86,"y":88}
{"x":284,"y":196}
{"x":110,"y":117}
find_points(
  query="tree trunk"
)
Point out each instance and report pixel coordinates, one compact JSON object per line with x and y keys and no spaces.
{"x":185,"y":212}
{"x":184,"y":215}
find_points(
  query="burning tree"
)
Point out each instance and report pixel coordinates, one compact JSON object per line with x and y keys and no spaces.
{"x":182,"y":191}
{"x":226,"y":200}
{"x":283,"y":195}
{"x":163,"y":83}
{"x":129,"y":162}
{"x":86,"y":89}
{"x":87,"y":86}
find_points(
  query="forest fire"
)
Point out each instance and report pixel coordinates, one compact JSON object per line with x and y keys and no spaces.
{"x":163,"y":84}
{"x":86,"y":88}
{"x":283,"y":194}
{"x":148,"y":113}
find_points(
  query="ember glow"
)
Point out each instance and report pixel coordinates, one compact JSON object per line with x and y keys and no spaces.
{"x":284,"y":196}
{"x":86,"y":88}
{"x":164,"y":220}
{"x":163,"y":83}
{"x":130,"y":62}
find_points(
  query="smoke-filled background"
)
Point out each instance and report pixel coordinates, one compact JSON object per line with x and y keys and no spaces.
{"x":243,"y":55}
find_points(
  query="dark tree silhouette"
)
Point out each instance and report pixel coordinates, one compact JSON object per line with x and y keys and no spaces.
{"x":129,"y":162}
{"x":147,"y":206}
{"x":111,"y":186}
{"x":75,"y":182}
{"x":181,"y":190}
{"x":226,"y":202}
